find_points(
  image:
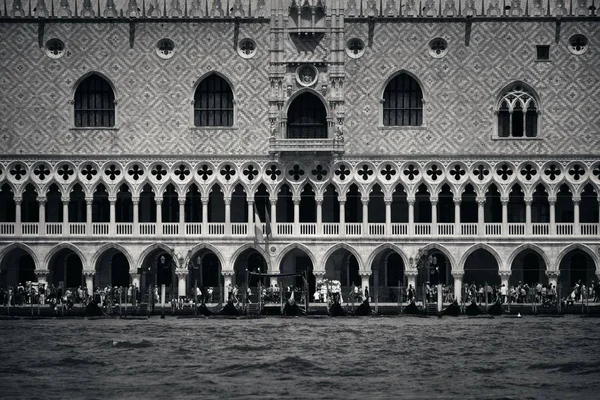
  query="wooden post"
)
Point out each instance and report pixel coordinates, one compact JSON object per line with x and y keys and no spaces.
{"x":485,"y":294}
{"x":281,"y":294}
{"x":399,"y":297}
{"x":376,"y":288}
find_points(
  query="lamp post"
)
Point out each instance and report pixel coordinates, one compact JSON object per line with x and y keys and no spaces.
{"x":428,"y":262}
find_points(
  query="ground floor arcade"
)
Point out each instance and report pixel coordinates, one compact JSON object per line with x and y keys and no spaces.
{"x":383,"y":267}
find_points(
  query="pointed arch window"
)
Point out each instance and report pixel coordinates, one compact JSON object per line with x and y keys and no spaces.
{"x":403,"y":102}
{"x":213,"y":102}
{"x":518,"y":113}
{"x":307,"y":118}
{"x":94,"y":103}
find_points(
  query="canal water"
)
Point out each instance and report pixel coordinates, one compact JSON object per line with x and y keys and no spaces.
{"x":351,"y":358}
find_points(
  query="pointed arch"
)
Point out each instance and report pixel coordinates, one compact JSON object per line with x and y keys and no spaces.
{"x":386,"y":246}
{"x":344,"y":246}
{"x":481,"y":246}
{"x":213,"y":101}
{"x":65,"y":245}
{"x":289,"y":248}
{"x":148,"y":250}
{"x":112,"y":246}
{"x":402,"y":99}
{"x":578,"y":246}
{"x":530,"y":246}
{"x":94,"y":101}
{"x":203,"y":246}
{"x":17,"y":245}
{"x":306,"y":118}
{"x":236,"y":254}
{"x":444,"y":251}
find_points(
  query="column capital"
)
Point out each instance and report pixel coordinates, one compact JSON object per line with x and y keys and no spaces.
{"x":365,"y":274}
{"x":504,"y":200}
{"x":89,"y":201}
{"x":181,"y":272}
{"x":458,"y":274}
{"x":552,"y":200}
{"x":342,"y":199}
{"x":388,"y":200}
{"x":88,"y":272}
{"x":273,"y":199}
{"x":135,"y":200}
{"x":18,"y":200}
{"x":505,"y":274}
{"x":204,"y":199}
{"x":319,"y":199}
{"x":39,"y":199}
{"x":411,"y":273}
{"x":319,"y":275}
{"x":158,"y":201}
{"x":365,"y":201}
{"x":227,"y":200}
{"x":457,"y":200}
{"x":411,"y":200}
{"x":434,"y":201}
{"x":113,"y":199}
{"x":134,"y":275}
{"x":181,"y":201}
{"x":480,"y":200}
{"x":576,"y":200}
{"x":250,"y":201}
{"x":65,"y":199}
{"x":227,"y":272}
{"x":528,"y":200}
{"x":296,"y":200}
{"x":552,"y":274}
{"x":41,"y":272}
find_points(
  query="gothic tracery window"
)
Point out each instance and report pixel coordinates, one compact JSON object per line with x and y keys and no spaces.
{"x":307,"y":118}
{"x":213,"y":102}
{"x":94,"y":103}
{"x":403,"y":102}
{"x":517,"y":113}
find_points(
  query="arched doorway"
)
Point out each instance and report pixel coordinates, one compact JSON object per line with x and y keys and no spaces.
{"x":253,"y":261}
{"x":576,"y":267}
{"x":307,"y":118}
{"x":529,"y":268}
{"x":66,"y":269}
{"x":17,"y":267}
{"x":158,"y":268}
{"x":112,"y":269}
{"x":481,"y":267}
{"x":297,"y":261}
{"x":389,"y":268}
{"x":439,"y":273}
{"x":205,"y":273}
{"x":343,"y":266}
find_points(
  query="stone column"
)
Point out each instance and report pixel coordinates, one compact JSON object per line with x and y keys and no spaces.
{"x":112,"y":228}
{"x":528,"y":227}
{"x":553,"y":277}
{"x":182,"y":274}
{"x":296,"y":201}
{"x":365,"y":215}
{"x":319,"y":276}
{"x":42,"y":214}
{"x":504,"y":277}
{"x":364,"y":280}
{"x":88,"y":215}
{"x":227,"y":201}
{"x":181,"y":216}
{"x":457,"y":201}
{"x":411,"y":277}
{"x":552,"y":203}
{"x":18,"y":201}
{"x":158,"y":202}
{"x":273,"y":201}
{"x":227,"y":280}
{"x":135,"y":280}
{"x":89,"y":280}
{"x":42,"y":275}
{"x":388,"y":216}
{"x":250,"y":217}
{"x":65,"y":221}
{"x":458,"y":279}
{"x":411,"y":215}
{"x":576,"y":225}
{"x":342,"y":201}
{"x":504,"y":201}
{"x":434,"y":229}
{"x":319,"y":201}
{"x":135,"y":229}
{"x":480,"y":215}
{"x":204,"y":215}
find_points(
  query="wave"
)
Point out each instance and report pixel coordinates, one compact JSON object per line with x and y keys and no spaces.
{"x":248,"y":348}
{"x":290,"y":363}
{"x":126,"y":344}
{"x":70,"y":362}
{"x":570,"y":366}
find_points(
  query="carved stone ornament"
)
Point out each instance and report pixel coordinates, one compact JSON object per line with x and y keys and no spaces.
{"x":306,"y":75}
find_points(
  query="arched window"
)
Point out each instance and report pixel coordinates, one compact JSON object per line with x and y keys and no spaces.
{"x":213,"y":102}
{"x":517,"y":113}
{"x":94,"y":103}
{"x":307,"y":118}
{"x":403,"y":102}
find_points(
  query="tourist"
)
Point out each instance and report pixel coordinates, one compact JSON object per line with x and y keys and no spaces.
{"x":410,"y":293}
{"x":504,"y":293}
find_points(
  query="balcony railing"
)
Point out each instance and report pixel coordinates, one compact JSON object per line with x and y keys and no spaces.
{"x":306,"y":145}
{"x":305,"y":229}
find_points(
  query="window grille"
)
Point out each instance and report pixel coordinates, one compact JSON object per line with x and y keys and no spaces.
{"x":94,"y":103}
{"x":307,"y":118}
{"x":213,"y":103}
{"x":403,"y":102}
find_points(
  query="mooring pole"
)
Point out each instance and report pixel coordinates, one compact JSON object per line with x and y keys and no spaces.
{"x":376,"y":287}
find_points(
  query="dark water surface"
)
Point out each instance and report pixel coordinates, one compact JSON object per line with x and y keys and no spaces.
{"x":357,"y":358}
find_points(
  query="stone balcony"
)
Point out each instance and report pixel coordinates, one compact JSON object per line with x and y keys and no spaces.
{"x":289,"y":230}
{"x":333,"y":146}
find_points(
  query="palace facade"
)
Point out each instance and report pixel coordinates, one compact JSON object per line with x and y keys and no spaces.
{"x":144,"y":142}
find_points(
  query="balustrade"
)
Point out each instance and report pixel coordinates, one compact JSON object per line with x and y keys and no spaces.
{"x":285,"y":228}
{"x":331,"y":228}
{"x":7,"y":228}
{"x":493,"y":228}
{"x":54,"y":228}
{"x":170,"y":228}
{"x":376,"y":229}
{"x":353,"y":228}
{"x":239,"y":228}
{"x":193,"y":228}
{"x":77,"y":228}
{"x":468,"y":228}
{"x":445,"y":229}
{"x":516,"y":228}
{"x":308,"y":228}
{"x":564,"y":228}
{"x":538,"y":228}
{"x":147,"y":228}
{"x":399,"y":229}
{"x":589,"y":229}
{"x":422,"y":229}
{"x":124,"y":228}
{"x":30,"y":228}
{"x":216,"y":228}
